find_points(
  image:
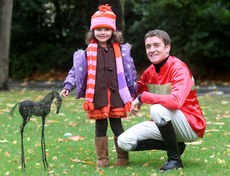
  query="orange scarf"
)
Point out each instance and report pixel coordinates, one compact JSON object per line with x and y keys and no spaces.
{"x":90,"y":86}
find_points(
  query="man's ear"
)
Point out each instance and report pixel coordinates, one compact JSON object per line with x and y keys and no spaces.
{"x":168,"y":47}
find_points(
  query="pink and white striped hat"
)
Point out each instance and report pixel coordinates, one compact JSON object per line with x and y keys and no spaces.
{"x":103,"y":18}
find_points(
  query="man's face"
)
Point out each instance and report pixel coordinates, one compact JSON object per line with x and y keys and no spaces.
{"x":156,"y":50}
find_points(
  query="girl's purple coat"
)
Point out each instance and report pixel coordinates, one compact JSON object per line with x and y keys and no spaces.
{"x":77,"y":76}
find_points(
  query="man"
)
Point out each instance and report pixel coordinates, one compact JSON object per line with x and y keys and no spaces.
{"x":176,"y":117}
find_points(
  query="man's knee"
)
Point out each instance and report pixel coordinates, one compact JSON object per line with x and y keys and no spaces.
{"x":124,"y":142}
{"x":158,"y":113}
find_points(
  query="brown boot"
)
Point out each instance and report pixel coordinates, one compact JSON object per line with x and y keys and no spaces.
{"x":101,"y":144}
{"x":122,"y":156}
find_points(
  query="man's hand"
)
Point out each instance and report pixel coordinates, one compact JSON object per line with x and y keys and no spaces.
{"x":135,"y":107}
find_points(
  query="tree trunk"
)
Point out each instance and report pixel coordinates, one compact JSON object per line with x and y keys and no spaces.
{"x":5,"y":28}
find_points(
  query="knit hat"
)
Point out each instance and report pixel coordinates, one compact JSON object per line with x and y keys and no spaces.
{"x":103,"y":18}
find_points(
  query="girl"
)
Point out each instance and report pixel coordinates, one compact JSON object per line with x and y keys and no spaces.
{"x":105,"y":75}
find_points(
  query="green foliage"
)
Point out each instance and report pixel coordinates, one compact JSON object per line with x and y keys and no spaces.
{"x":42,"y":59}
{"x":53,"y":29}
{"x":199,"y":31}
{"x":46,"y":33}
{"x":209,"y":155}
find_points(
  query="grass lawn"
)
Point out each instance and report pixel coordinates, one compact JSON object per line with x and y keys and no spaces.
{"x":76,"y":156}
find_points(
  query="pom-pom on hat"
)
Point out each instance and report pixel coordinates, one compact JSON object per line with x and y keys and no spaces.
{"x":103,"y":18}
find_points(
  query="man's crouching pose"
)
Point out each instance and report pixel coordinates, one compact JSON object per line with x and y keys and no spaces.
{"x":176,"y":117}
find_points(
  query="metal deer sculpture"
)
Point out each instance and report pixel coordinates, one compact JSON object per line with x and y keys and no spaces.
{"x":41,"y":108}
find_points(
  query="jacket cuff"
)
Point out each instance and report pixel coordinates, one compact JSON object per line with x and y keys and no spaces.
{"x":68,"y":86}
{"x":139,"y":98}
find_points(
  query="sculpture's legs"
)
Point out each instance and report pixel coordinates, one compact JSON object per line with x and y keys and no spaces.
{"x":43,"y":145}
{"x":22,"y":146}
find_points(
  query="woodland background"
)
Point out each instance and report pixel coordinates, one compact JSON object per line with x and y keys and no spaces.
{"x":45,"y":34}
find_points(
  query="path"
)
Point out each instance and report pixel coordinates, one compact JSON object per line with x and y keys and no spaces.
{"x":57,"y":85}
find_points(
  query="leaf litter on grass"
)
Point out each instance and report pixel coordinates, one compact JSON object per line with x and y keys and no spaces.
{"x":216,"y":156}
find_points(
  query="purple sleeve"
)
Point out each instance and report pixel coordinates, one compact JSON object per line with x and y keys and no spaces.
{"x":68,"y":86}
{"x":77,"y":75}
{"x":129,"y":69}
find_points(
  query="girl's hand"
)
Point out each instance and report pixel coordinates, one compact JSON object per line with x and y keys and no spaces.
{"x":64,"y":93}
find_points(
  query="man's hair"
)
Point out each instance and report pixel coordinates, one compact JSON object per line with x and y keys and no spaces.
{"x":161,"y":34}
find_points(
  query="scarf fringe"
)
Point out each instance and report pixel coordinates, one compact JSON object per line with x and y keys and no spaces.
{"x":128,"y":106}
{"x":88,"y":106}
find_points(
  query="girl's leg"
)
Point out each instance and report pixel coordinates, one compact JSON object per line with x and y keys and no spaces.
{"x":117,"y":128}
{"x":101,"y":127}
{"x":101,"y":143}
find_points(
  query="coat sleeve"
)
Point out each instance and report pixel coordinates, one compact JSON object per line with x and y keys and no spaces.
{"x":77,"y":75}
{"x":129,"y":70}
{"x":141,"y":84}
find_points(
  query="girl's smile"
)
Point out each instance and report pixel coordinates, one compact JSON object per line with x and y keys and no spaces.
{"x":103,"y":35}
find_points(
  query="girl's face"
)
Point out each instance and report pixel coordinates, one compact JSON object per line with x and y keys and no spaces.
{"x":103,"y":35}
{"x":156,"y":50}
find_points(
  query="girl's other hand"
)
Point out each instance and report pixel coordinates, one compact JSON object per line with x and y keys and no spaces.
{"x":64,"y":93}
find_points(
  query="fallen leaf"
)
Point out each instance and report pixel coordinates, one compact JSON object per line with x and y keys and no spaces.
{"x":88,"y":162}
{"x":73,"y":124}
{"x":33,"y":119}
{"x":212,"y":130}
{"x":101,"y":172}
{"x":7,"y":154}
{"x":212,"y":156}
{"x":220,"y":161}
{"x":61,"y":140}
{"x":146,"y":164}
{"x":76,"y":138}
{"x":52,"y":121}
{"x":218,"y":123}
{"x":7,"y":173}
{"x":10,"y":105}
{"x":154,"y":174}
{"x":54,"y":158}
{"x":224,"y":102}
{"x":76,"y":160}
{"x":51,"y":172}
{"x":61,"y":114}
{"x":3,"y":141}
{"x":194,"y":143}
{"x":204,"y":148}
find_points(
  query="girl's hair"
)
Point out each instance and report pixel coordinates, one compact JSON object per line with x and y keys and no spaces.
{"x":161,"y":34}
{"x":116,"y":37}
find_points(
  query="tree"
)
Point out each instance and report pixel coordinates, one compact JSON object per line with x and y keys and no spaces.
{"x":5,"y":26}
{"x":49,"y":31}
{"x":198,"y":29}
